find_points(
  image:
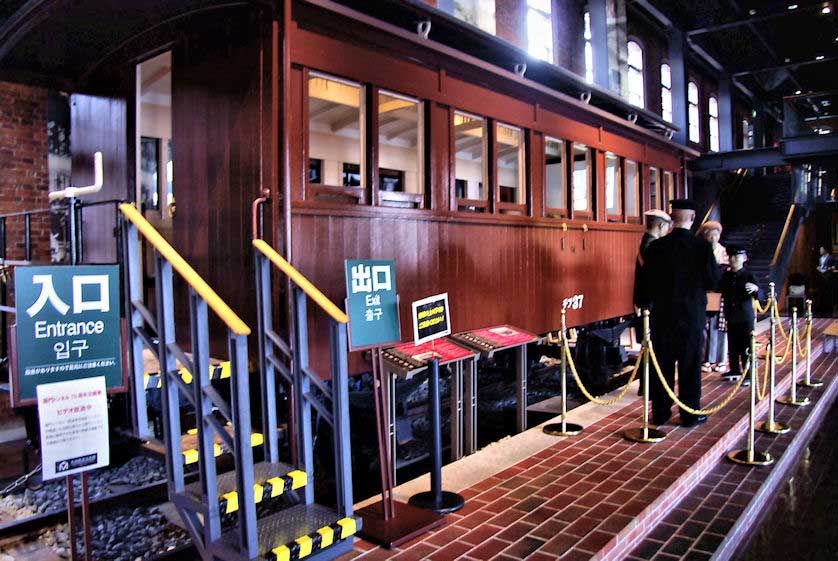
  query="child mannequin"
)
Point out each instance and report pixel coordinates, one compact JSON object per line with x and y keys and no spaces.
{"x":739,"y":288}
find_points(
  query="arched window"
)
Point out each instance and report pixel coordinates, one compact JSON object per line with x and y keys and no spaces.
{"x":713,"y":117}
{"x":666,"y":92}
{"x":692,"y":112}
{"x":635,"y":74}
{"x":589,"y":50}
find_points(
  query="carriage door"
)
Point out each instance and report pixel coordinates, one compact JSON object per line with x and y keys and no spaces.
{"x":154,"y":142}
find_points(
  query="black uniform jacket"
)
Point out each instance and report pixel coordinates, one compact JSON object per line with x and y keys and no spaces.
{"x":641,"y":299}
{"x":739,"y":307}
{"x":679,"y":269}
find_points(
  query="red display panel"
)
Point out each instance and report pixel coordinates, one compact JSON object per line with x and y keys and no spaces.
{"x":445,"y":350}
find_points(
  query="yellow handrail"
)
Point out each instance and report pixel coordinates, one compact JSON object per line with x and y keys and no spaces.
{"x":213,"y":300}
{"x":305,"y":285}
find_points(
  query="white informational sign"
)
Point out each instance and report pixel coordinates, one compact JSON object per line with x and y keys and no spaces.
{"x":74,"y":426}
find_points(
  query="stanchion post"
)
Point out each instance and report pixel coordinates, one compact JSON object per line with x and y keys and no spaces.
{"x":436,"y":499}
{"x":644,"y":433}
{"x":564,"y":428}
{"x":792,"y":398}
{"x":749,"y":456}
{"x":807,"y":380}
{"x":770,"y":426}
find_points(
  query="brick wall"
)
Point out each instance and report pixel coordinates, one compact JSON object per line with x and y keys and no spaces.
{"x":24,"y":175}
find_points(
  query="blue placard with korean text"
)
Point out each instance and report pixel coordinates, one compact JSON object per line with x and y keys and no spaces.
{"x":372,"y":303}
{"x":68,"y":326}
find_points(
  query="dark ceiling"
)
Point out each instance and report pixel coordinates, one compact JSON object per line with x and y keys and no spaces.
{"x":772,"y":48}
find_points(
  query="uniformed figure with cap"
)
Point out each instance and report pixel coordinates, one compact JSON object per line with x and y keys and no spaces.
{"x":739,"y":288}
{"x":658,"y":224}
{"x":679,"y":269}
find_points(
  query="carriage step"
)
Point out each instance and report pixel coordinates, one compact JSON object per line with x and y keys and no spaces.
{"x":219,"y":371}
{"x":270,"y":481}
{"x":190,"y":456}
{"x":298,"y":532}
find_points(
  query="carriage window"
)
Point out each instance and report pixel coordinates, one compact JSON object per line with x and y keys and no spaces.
{"x":554,"y":173}
{"x":581,"y":179}
{"x":470,"y":161}
{"x":632,"y":189}
{"x":612,"y":185}
{"x":654,"y":197}
{"x":510,"y":162}
{"x":335,"y":135}
{"x":669,"y":185}
{"x":400,"y":150}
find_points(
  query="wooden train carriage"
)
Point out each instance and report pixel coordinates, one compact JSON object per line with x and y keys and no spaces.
{"x":374,"y":141}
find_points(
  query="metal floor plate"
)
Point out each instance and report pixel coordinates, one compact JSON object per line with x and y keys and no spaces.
{"x":262,"y":471}
{"x":286,"y":526}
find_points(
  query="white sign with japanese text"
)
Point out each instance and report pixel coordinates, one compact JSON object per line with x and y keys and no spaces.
{"x":74,"y":426}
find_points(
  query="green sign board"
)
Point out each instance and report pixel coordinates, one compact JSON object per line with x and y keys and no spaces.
{"x":67,"y":326}
{"x":372,"y":303}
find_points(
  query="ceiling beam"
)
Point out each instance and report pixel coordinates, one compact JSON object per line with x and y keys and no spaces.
{"x":784,"y":66}
{"x":785,"y":12}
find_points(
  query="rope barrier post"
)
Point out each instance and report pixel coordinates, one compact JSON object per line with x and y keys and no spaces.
{"x":770,"y":425}
{"x":644,"y":433}
{"x":792,"y":398}
{"x":564,"y":428}
{"x":808,"y":382}
{"x":749,"y":456}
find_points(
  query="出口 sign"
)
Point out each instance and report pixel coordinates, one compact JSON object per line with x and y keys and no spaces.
{"x":372,"y":303}
{"x":68,"y":326}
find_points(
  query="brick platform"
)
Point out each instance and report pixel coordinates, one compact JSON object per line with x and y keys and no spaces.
{"x":594,"y":496}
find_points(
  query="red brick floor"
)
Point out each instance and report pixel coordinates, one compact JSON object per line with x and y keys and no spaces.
{"x":597,"y":496}
{"x":736,"y":495}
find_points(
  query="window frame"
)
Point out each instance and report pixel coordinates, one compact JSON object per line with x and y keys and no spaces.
{"x":674,"y":193}
{"x":652,"y":203}
{"x":549,"y":17}
{"x":590,"y":161}
{"x":618,"y":195}
{"x":484,"y":205}
{"x":694,"y":124}
{"x":382,"y":198}
{"x":641,"y":70}
{"x":666,"y":91}
{"x":334,"y":193}
{"x":500,"y":207}
{"x":562,"y":212}
{"x":713,"y":124}
{"x":637,"y":188}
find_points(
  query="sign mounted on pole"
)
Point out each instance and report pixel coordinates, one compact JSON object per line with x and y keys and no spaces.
{"x":372,"y":303}
{"x":431,"y":318}
{"x":68,"y":327}
{"x":74,"y":426}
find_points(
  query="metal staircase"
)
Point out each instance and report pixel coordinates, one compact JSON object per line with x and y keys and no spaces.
{"x":220,"y":517}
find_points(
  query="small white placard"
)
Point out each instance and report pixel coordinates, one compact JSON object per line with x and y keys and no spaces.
{"x":74,"y":426}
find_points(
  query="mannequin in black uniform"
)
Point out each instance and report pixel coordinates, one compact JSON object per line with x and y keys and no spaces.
{"x":680,"y":268}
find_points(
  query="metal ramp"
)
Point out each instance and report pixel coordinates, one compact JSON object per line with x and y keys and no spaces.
{"x":221,"y":519}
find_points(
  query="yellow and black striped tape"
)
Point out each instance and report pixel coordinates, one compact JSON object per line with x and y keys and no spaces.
{"x":191,"y":456}
{"x":319,"y":540}
{"x":220,"y":371}
{"x":273,"y":487}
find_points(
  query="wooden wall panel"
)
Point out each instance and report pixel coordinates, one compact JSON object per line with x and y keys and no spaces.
{"x":494,"y":273}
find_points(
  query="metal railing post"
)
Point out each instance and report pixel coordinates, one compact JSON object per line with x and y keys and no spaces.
{"x":340,"y":417}
{"x":243,"y":453}
{"x":135,"y":321}
{"x":303,"y":430}
{"x":199,"y":335}
{"x":171,"y":397}
{"x":266,"y":350}
{"x":771,"y":426}
{"x":27,"y":237}
{"x":808,"y":381}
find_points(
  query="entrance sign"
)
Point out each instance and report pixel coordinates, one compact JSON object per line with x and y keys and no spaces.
{"x":74,"y":426}
{"x":68,"y":326}
{"x":430,"y":318}
{"x":372,"y":303}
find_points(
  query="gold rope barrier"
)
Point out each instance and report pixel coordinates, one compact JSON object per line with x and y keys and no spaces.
{"x":770,"y":425}
{"x":759,"y":309}
{"x":792,"y":398}
{"x":687,"y":408}
{"x":807,"y":380}
{"x":762,"y":389}
{"x":749,"y":456}
{"x":585,"y":391}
